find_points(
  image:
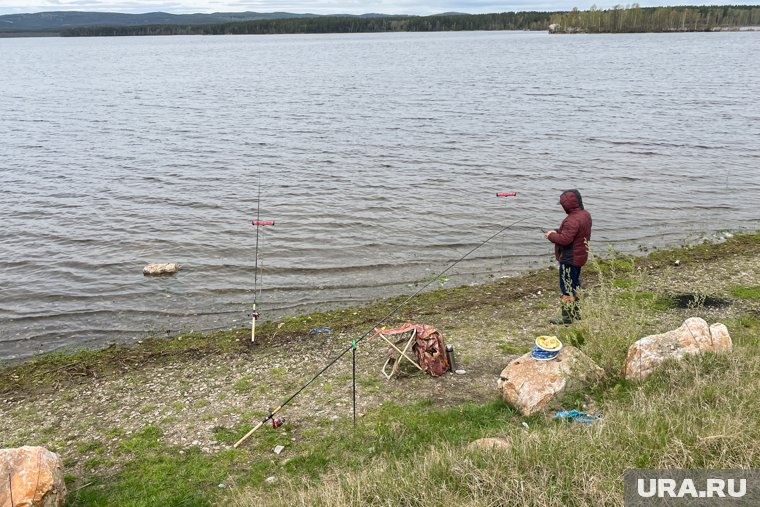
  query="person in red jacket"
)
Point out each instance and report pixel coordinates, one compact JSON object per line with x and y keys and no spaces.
{"x":571,"y":250}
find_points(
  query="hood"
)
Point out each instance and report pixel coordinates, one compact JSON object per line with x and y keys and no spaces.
{"x":571,"y":200}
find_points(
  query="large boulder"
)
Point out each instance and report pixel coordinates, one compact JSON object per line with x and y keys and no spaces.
{"x":694,"y":336}
{"x":35,"y":477}
{"x":530,"y":385}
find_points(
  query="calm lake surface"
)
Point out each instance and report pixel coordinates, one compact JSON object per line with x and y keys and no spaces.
{"x":379,"y":156}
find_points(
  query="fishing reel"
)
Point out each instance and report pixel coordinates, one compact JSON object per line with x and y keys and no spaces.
{"x":255,"y":315}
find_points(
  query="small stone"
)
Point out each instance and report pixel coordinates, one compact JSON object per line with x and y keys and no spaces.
{"x":222,"y":486}
{"x":271,"y":479}
{"x":489,"y":443}
{"x":677,"y":262}
{"x":161,"y":269}
{"x":279,"y":449}
{"x":460,"y":372}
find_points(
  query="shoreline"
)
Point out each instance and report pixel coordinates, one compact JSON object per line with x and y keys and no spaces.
{"x":342,"y":320}
{"x":470,"y":280}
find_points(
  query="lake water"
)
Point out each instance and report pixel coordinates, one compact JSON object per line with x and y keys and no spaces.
{"x":379,"y":156}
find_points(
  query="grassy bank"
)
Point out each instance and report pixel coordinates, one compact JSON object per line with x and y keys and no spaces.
{"x":154,"y":423}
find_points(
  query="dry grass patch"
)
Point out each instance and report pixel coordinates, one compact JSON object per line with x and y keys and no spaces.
{"x":699,"y":413}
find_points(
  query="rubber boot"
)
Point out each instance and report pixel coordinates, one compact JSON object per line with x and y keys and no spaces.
{"x":566,"y":317}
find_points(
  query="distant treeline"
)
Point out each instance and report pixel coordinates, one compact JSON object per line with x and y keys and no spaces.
{"x":617,"y":20}
{"x":335,"y":24}
{"x":656,"y":19}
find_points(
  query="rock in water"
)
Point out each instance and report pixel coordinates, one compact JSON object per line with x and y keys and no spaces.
{"x":36,"y":477}
{"x":694,"y":336}
{"x":530,"y":385}
{"x":161,"y":269}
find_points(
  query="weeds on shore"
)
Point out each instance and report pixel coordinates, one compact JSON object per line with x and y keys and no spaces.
{"x":699,"y":413}
{"x":696,"y":413}
{"x":615,"y":311}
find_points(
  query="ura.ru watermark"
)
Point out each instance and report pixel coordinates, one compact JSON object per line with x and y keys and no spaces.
{"x":704,"y":488}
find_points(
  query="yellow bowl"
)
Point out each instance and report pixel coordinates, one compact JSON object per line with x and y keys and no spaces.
{"x":549,"y":343}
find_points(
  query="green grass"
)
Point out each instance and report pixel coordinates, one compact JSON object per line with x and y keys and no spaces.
{"x":624,"y":283}
{"x":160,"y":474}
{"x":745,"y":330}
{"x":697,"y":413}
{"x":90,"y":446}
{"x":278,"y":372}
{"x":200,"y":403}
{"x":243,"y":385}
{"x":512,"y":348}
{"x":654,"y":301}
{"x":749,"y":293}
{"x":156,"y":473}
{"x":397,"y":431}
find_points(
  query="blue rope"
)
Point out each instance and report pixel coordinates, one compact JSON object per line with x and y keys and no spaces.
{"x":578,"y":416}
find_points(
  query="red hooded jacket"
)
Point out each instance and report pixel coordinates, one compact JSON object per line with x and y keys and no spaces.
{"x":573,"y":235}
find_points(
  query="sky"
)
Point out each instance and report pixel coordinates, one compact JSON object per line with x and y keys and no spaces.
{"x":417,"y":7}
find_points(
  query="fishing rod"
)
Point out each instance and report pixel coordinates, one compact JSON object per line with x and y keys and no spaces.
{"x":513,"y":194}
{"x":258,"y":223}
{"x":354,"y":343}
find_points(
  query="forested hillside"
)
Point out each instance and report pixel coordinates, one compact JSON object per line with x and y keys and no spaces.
{"x":339,"y":24}
{"x":617,"y":20}
{"x":656,"y":19}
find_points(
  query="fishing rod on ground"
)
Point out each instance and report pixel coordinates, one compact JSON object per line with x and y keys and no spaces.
{"x":258,"y":223}
{"x":354,"y":343}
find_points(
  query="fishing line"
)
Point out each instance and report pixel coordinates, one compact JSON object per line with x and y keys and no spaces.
{"x":354,"y":343}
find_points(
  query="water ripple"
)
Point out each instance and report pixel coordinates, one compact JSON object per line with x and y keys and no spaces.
{"x":379,"y":157}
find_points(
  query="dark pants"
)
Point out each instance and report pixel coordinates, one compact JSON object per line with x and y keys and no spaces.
{"x":569,"y":279}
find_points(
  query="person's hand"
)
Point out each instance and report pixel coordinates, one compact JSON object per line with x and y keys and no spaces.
{"x":549,"y":233}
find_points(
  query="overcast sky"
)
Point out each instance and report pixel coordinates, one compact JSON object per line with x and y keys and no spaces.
{"x":420,"y":7}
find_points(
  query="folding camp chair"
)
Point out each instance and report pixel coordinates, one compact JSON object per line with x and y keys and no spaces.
{"x":396,"y":354}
